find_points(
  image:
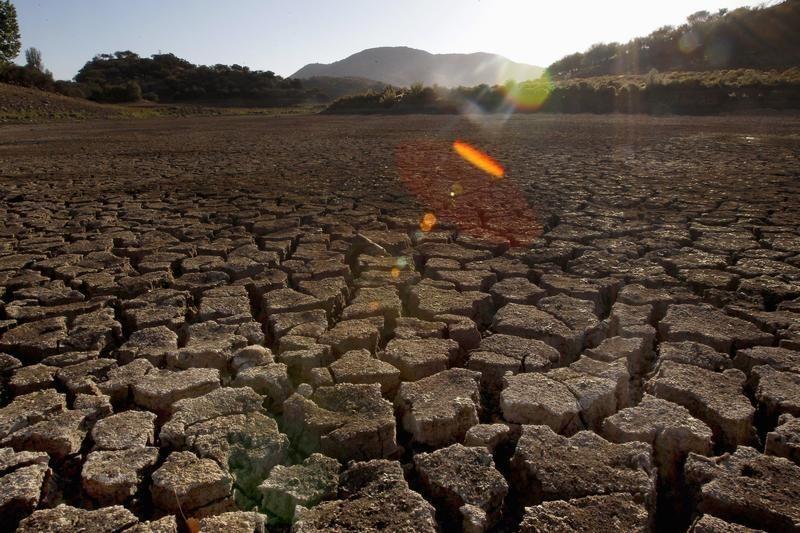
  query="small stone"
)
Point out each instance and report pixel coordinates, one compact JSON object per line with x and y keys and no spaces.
{"x":251,"y":356}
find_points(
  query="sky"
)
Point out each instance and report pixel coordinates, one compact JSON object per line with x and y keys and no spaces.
{"x":282,"y":36}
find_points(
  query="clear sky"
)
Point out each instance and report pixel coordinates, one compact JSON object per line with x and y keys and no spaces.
{"x":282,"y":36}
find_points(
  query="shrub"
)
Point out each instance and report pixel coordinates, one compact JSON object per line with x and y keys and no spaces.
{"x":27,"y":77}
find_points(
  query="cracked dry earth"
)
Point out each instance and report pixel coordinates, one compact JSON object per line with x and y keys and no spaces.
{"x":237,"y":324}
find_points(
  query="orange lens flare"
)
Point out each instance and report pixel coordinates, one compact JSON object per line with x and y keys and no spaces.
{"x":479,"y":159}
{"x":428,"y":222}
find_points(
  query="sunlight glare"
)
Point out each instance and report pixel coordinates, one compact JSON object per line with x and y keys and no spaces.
{"x":479,"y":159}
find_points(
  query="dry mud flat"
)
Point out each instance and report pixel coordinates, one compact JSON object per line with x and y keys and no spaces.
{"x":235,"y":324}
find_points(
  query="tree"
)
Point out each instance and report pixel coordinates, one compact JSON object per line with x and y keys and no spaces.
{"x":9,"y":32}
{"x":33,"y":59}
{"x":698,"y":18}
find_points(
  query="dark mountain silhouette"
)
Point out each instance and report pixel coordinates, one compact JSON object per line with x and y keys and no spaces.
{"x":333,"y":88}
{"x":402,"y":66}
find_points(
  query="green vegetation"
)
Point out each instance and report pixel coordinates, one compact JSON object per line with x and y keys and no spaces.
{"x":168,"y":78}
{"x":9,"y":32}
{"x":125,"y":77}
{"x":674,"y":92}
{"x":763,"y":38}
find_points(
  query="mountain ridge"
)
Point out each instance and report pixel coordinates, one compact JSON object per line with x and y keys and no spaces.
{"x":404,"y":66}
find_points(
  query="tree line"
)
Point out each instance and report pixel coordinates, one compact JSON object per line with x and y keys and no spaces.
{"x":710,"y":92}
{"x":125,"y":76}
{"x":168,"y":78}
{"x":758,"y":38}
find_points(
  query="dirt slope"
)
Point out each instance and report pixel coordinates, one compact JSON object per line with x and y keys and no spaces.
{"x":20,"y":104}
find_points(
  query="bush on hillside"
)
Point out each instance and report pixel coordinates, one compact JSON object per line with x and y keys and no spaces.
{"x":762,"y":37}
{"x":27,"y":76}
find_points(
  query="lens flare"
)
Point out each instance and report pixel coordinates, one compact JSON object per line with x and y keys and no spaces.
{"x":395,"y":272}
{"x":479,"y":159}
{"x":428,"y":222}
{"x":455,"y":195}
{"x":689,"y":42}
{"x":529,"y":95}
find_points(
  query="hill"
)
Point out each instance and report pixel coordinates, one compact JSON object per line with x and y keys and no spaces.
{"x":761,"y":38}
{"x":332,"y":88}
{"x":168,"y":78}
{"x":19,"y":104}
{"x":402,"y":66}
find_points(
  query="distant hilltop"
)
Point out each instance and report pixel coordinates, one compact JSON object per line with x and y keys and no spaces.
{"x":402,"y":66}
